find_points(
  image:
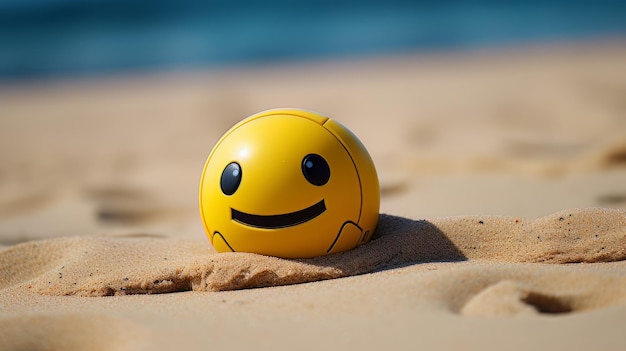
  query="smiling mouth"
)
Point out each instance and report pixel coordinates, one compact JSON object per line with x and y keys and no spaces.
{"x":280,"y":220}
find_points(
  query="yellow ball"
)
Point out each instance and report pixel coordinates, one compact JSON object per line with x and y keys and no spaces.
{"x":289,"y":183}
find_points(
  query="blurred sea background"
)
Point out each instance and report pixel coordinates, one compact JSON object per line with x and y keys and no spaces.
{"x":58,"y":38}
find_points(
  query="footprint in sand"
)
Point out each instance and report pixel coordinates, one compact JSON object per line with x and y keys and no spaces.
{"x":123,"y":205}
{"x":612,"y":200}
{"x":557,"y":292}
{"x":128,"y":206}
{"x":615,"y":155}
{"x":507,"y":298}
{"x":20,"y":201}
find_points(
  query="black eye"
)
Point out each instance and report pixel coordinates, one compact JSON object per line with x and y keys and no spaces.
{"x":231,"y":178}
{"x":315,"y":169}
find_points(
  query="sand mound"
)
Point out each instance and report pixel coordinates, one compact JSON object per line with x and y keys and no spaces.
{"x":100,"y":266}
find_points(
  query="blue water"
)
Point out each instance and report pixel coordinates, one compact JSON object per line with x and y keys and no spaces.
{"x":50,"y":38}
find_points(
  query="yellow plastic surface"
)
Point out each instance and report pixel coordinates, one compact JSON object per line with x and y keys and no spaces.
{"x":270,"y":147}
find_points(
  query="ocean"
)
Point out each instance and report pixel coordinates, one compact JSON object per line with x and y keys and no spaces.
{"x":52,"y":38}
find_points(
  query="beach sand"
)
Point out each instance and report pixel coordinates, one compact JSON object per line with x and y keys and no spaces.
{"x":502,"y":226}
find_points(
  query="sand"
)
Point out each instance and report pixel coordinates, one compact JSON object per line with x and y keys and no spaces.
{"x":502,"y":226}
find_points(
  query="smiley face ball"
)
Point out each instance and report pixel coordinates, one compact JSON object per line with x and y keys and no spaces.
{"x":289,"y":183}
